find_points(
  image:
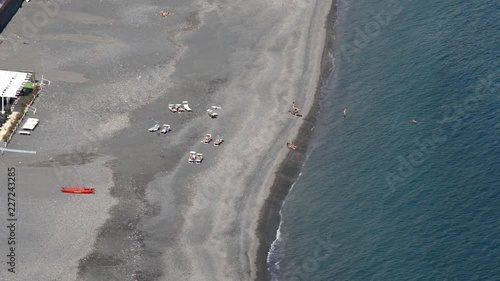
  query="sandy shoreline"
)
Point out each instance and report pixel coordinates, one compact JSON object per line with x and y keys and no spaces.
{"x":290,"y":168}
{"x":113,"y":70}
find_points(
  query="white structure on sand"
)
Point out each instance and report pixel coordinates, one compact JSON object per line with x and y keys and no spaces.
{"x":11,"y":85}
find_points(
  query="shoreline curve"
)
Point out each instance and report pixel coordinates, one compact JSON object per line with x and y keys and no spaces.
{"x":290,"y":168}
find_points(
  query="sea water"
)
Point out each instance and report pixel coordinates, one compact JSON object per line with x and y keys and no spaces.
{"x":382,"y":198}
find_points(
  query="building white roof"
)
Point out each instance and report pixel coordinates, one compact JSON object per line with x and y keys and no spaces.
{"x":30,"y":124}
{"x":11,"y":82}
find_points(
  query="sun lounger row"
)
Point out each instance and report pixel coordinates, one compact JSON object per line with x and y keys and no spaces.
{"x":194,"y":157}
{"x":165,"y":129}
{"x":179,"y":107}
{"x":208,"y":139}
{"x":197,"y":158}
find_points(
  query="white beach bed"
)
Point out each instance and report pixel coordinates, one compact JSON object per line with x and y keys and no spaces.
{"x":186,"y":106}
{"x":30,"y":124}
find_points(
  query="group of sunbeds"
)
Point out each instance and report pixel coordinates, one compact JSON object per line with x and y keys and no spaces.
{"x":165,"y":129}
{"x":179,"y":107}
{"x":208,"y":139}
{"x":194,"y":157}
{"x":197,"y":158}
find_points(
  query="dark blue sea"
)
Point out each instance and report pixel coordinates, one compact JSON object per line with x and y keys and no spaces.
{"x":380,"y":197}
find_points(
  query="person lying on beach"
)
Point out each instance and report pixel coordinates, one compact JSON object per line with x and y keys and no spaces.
{"x":291,"y":145}
{"x":164,"y":14}
{"x":295,"y":110}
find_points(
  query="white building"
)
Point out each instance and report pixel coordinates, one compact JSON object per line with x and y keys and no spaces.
{"x":11,"y":85}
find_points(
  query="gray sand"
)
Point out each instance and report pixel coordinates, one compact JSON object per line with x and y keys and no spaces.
{"x":114,"y":67}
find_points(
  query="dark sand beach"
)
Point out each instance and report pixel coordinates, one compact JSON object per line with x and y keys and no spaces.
{"x":290,"y":168}
{"x":114,"y":67}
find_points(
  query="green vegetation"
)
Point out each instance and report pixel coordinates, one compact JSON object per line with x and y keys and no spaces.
{"x":28,"y":88}
{"x":11,"y":128}
{"x":24,"y":106}
{"x":30,"y":97}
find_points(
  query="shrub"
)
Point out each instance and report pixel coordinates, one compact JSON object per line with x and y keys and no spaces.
{"x":25,"y":104}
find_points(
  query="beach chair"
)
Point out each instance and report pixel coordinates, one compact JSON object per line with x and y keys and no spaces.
{"x":186,"y":106}
{"x":192,"y":156}
{"x":212,"y":114}
{"x":179,"y":107}
{"x":155,"y":128}
{"x":172,"y":108}
{"x":207,"y":139}
{"x":218,"y":141}
{"x":165,"y":129}
{"x":199,"y":158}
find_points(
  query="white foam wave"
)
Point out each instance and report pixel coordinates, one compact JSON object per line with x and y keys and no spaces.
{"x":273,"y":253}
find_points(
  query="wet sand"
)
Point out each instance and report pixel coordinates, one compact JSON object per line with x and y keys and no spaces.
{"x":114,"y":69}
{"x":290,"y":169}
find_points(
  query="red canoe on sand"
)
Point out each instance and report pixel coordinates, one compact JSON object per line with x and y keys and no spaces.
{"x":78,"y":189}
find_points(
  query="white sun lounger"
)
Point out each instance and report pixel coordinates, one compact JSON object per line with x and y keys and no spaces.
{"x":172,"y":107}
{"x":199,"y":158}
{"x":179,"y":107}
{"x":218,"y":141}
{"x":212,"y":114}
{"x":165,"y":129}
{"x":186,"y":106}
{"x":155,"y":128}
{"x":192,"y":156}
{"x":207,"y":139}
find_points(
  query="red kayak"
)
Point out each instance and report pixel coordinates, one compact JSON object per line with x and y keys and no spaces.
{"x":78,"y":189}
